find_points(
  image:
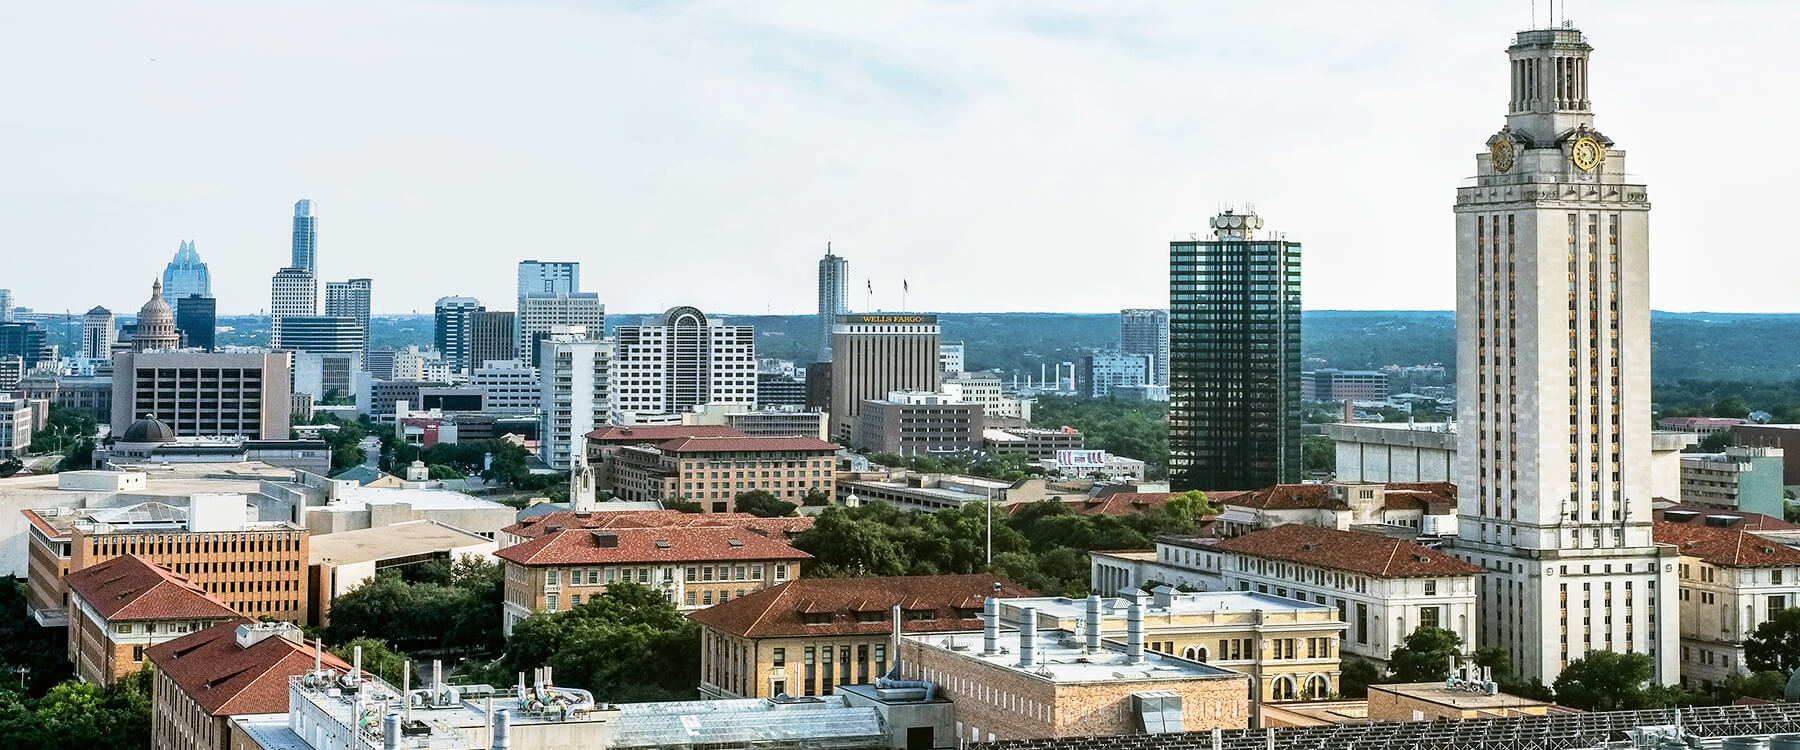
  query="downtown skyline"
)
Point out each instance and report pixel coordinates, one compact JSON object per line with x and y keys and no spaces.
{"x":1062,"y":157}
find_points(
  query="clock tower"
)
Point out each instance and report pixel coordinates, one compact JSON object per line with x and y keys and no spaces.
{"x":1553,"y":378}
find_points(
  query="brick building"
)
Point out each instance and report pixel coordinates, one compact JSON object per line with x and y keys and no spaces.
{"x":550,"y":523}
{"x":805,"y":637}
{"x":232,"y":669}
{"x":256,"y":568}
{"x":121,"y":607}
{"x":693,"y":567}
{"x":913,"y":423}
{"x":713,"y":471}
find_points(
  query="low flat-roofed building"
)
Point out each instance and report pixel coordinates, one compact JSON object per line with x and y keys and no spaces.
{"x":693,"y":567}
{"x":258,"y":568}
{"x":1028,"y":683}
{"x":1288,"y":647}
{"x":121,"y":607}
{"x":1036,"y":443}
{"x":1444,"y":701}
{"x":343,"y":561}
{"x":235,"y":668}
{"x":713,"y":471}
{"x":814,"y":635}
{"x":934,"y":492}
{"x":1426,"y":452}
{"x":350,"y":506}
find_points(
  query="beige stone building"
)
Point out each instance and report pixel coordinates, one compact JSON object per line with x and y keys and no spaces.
{"x":236,"y":668}
{"x":693,"y":567}
{"x":550,"y":523}
{"x":1440,"y":701}
{"x":1030,"y":683}
{"x":1733,"y":577}
{"x":258,"y":569}
{"x":122,"y":607}
{"x":1288,"y":647}
{"x":806,"y":637}
{"x":713,"y":471}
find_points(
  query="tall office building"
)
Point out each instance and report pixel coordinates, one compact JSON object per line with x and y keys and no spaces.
{"x":834,"y":297}
{"x":339,"y":334}
{"x":198,"y":320}
{"x":306,"y":238}
{"x":1553,"y":367}
{"x":155,"y":324}
{"x":874,"y":355}
{"x":6,"y":306}
{"x":683,"y":360}
{"x":98,"y":334}
{"x":574,"y":393}
{"x":1234,"y":359}
{"x":539,"y":314}
{"x":26,"y":340}
{"x":491,"y":337}
{"x":1146,"y":332}
{"x":548,"y":278}
{"x":186,"y":275}
{"x":204,"y":393}
{"x":293,"y":292}
{"x":350,"y":299}
{"x":453,"y":323}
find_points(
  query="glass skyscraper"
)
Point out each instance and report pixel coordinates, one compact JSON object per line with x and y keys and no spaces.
{"x":834,"y":297}
{"x":186,"y":275}
{"x":1234,"y":359}
{"x":306,"y":238}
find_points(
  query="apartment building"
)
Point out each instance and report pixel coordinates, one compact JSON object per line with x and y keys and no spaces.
{"x":574,"y":395}
{"x":683,"y":360}
{"x":692,"y":567}
{"x":122,"y":607}
{"x":256,"y":568}
{"x":1384,"y":588}
{"x":806,"y":637}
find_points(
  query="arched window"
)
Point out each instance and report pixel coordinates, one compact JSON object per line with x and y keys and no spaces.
{"x":1317,"y":687}
{"x":1282,"y":689}
{"x":1195,"y":653}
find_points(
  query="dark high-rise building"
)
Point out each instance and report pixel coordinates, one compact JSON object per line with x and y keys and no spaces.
{"x":452,"y":327}
{"x":1234,"y":359}
{"x":1146,"y":332}
{"x":491,"y":337}
{"x":306,"y":238}
{"x":834,"y":297}
{"x":24,"y":339}
{"x":197,"y":318}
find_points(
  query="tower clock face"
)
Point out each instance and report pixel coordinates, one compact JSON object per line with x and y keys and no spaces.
{"x":1501,"y":154}
{"x":1586,"y":153}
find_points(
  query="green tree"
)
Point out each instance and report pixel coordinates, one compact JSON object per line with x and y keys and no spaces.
{"x":377,"y":659}
{"x":79,"y":716}
{"x":764,"y":504}
{"x":1318,"y":455}
{"x":683,"y":504}
{"x":1606,"y":681}
{"x":627,"y":644}
{"x":1769,"y":686}
{"x":816,"y":497}
{"x":1775,"y":645}
{"x":441,"y":471}
{"x":462,"y":615}
{"x":1355,"y":675}
{"x":1425,"y":655}
{"x":1191,"y":506}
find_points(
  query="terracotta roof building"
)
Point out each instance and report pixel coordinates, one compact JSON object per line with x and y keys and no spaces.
{"x":692,"y":566}
{"x":536,"y":526}
{"x":1731,"y":578}
{"x":1384,"y":588}
{"x":1706,"y":515}
{"x":713,"y":470}
{"x":1418,"y":508}
{"x":804,"y":637}
{"x":235,"y":668}
{"x":121,"y":607}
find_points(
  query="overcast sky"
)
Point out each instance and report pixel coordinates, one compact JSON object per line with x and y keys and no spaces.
{"x":1001,"y":156}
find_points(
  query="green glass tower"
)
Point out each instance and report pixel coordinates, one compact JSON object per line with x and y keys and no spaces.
{"x":1234,"y":358}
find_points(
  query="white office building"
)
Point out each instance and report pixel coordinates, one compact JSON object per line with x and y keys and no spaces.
{"x":987,"y":390}
{"x":98,"y":334}
{"x":294,"y":292}
{"x":572,"y":392}
{"x":1553,"y":367}
{"x":681,"y":361}
{"x":951,"y":358}
{"x":509,"y":387}
{"x":540,"y":313}
{"x":1146,"y":332}
{"x":350,"y":299}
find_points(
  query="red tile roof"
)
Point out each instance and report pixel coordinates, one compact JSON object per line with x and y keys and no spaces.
{"x":659,"y":433}
{"x":1382,"y":557}
{"x":656,"y":519}
{"x":778,"y":611}
{"x":714,"y":444}
{"x":667,"y":544}
{"x":1739,"y":518}
{"x":1731,"y":547}
{"x":229,"y":681}
{"x":133,"y":588}
{"x":1439,"y":496}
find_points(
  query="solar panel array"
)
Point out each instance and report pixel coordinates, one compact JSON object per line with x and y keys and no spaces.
{"x":1555,"y":732}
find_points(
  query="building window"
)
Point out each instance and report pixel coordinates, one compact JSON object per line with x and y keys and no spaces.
{"x":1428,"y":617}
{"x":1431,"y":588}
{"x":690,"y":598}
{"x":781,"y":572}
{"x":778,"y":658}
{"x":550,"y":602}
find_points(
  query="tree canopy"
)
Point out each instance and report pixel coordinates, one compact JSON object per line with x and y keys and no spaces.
{"x":763,"y":503}
{"x":1425,"y":656}
{"x":1607,"y":681}
{"x":448,"y":606}
{"x":1775,"y":645}
{"x":626,"y":644}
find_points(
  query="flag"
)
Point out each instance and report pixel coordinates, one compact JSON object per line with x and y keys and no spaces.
{"x":905,"y":287}
{"x":871,"y":286}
